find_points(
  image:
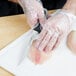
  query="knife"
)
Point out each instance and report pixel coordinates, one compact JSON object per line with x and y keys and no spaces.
{"x":35,"y":31}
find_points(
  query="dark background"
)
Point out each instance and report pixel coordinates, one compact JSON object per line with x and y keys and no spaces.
{"x":10,"y":8}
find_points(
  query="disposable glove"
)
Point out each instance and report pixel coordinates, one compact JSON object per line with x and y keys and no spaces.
{"x":54,"y":30}
{"x":33,"y":10}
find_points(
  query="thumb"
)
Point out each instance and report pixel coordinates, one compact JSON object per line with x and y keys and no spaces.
{"x":41,"y":14}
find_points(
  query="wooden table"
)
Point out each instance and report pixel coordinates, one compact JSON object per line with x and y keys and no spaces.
{"x":11,"y":27}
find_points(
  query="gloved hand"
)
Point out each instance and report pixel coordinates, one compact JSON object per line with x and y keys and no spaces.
{"x":33,"y":10}
{"x":56,"y":27}
{"x":54,"y":30}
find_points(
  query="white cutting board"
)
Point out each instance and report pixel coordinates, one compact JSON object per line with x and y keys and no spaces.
{"x":62,"y":62}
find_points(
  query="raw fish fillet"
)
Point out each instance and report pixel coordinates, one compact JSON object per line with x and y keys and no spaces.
{"x":36,"y":56}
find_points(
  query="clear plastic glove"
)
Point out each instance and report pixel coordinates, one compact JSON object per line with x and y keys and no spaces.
{"x":54,"y":30}
{"x":33,"y":10}
{"x":56,"y":27}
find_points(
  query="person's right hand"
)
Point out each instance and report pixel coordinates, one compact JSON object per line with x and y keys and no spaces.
{"x":34,"y":11}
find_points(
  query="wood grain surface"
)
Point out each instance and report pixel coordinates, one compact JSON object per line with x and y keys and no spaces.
{"x":4,"y":72}
{"x":11,"y":28}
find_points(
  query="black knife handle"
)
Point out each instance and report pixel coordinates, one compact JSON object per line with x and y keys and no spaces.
{"x":38,"y":28}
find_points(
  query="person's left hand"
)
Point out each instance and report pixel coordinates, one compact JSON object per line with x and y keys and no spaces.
{"x":54,"y":29}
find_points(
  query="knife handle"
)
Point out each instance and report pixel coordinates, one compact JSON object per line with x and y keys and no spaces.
{"x":38,"y":27}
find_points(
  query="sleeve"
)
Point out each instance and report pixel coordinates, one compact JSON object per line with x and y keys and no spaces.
{"x":9,"y":8}
{"x":3,"y":8}
{"x":53,"y":4}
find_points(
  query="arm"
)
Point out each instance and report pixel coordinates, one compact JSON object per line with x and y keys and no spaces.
{"x":70,"y":6}
{"x":15,"y":1}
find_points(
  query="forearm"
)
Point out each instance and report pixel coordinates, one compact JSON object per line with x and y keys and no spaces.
{"x":70,"y":6}
{"x":16,"y":1}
